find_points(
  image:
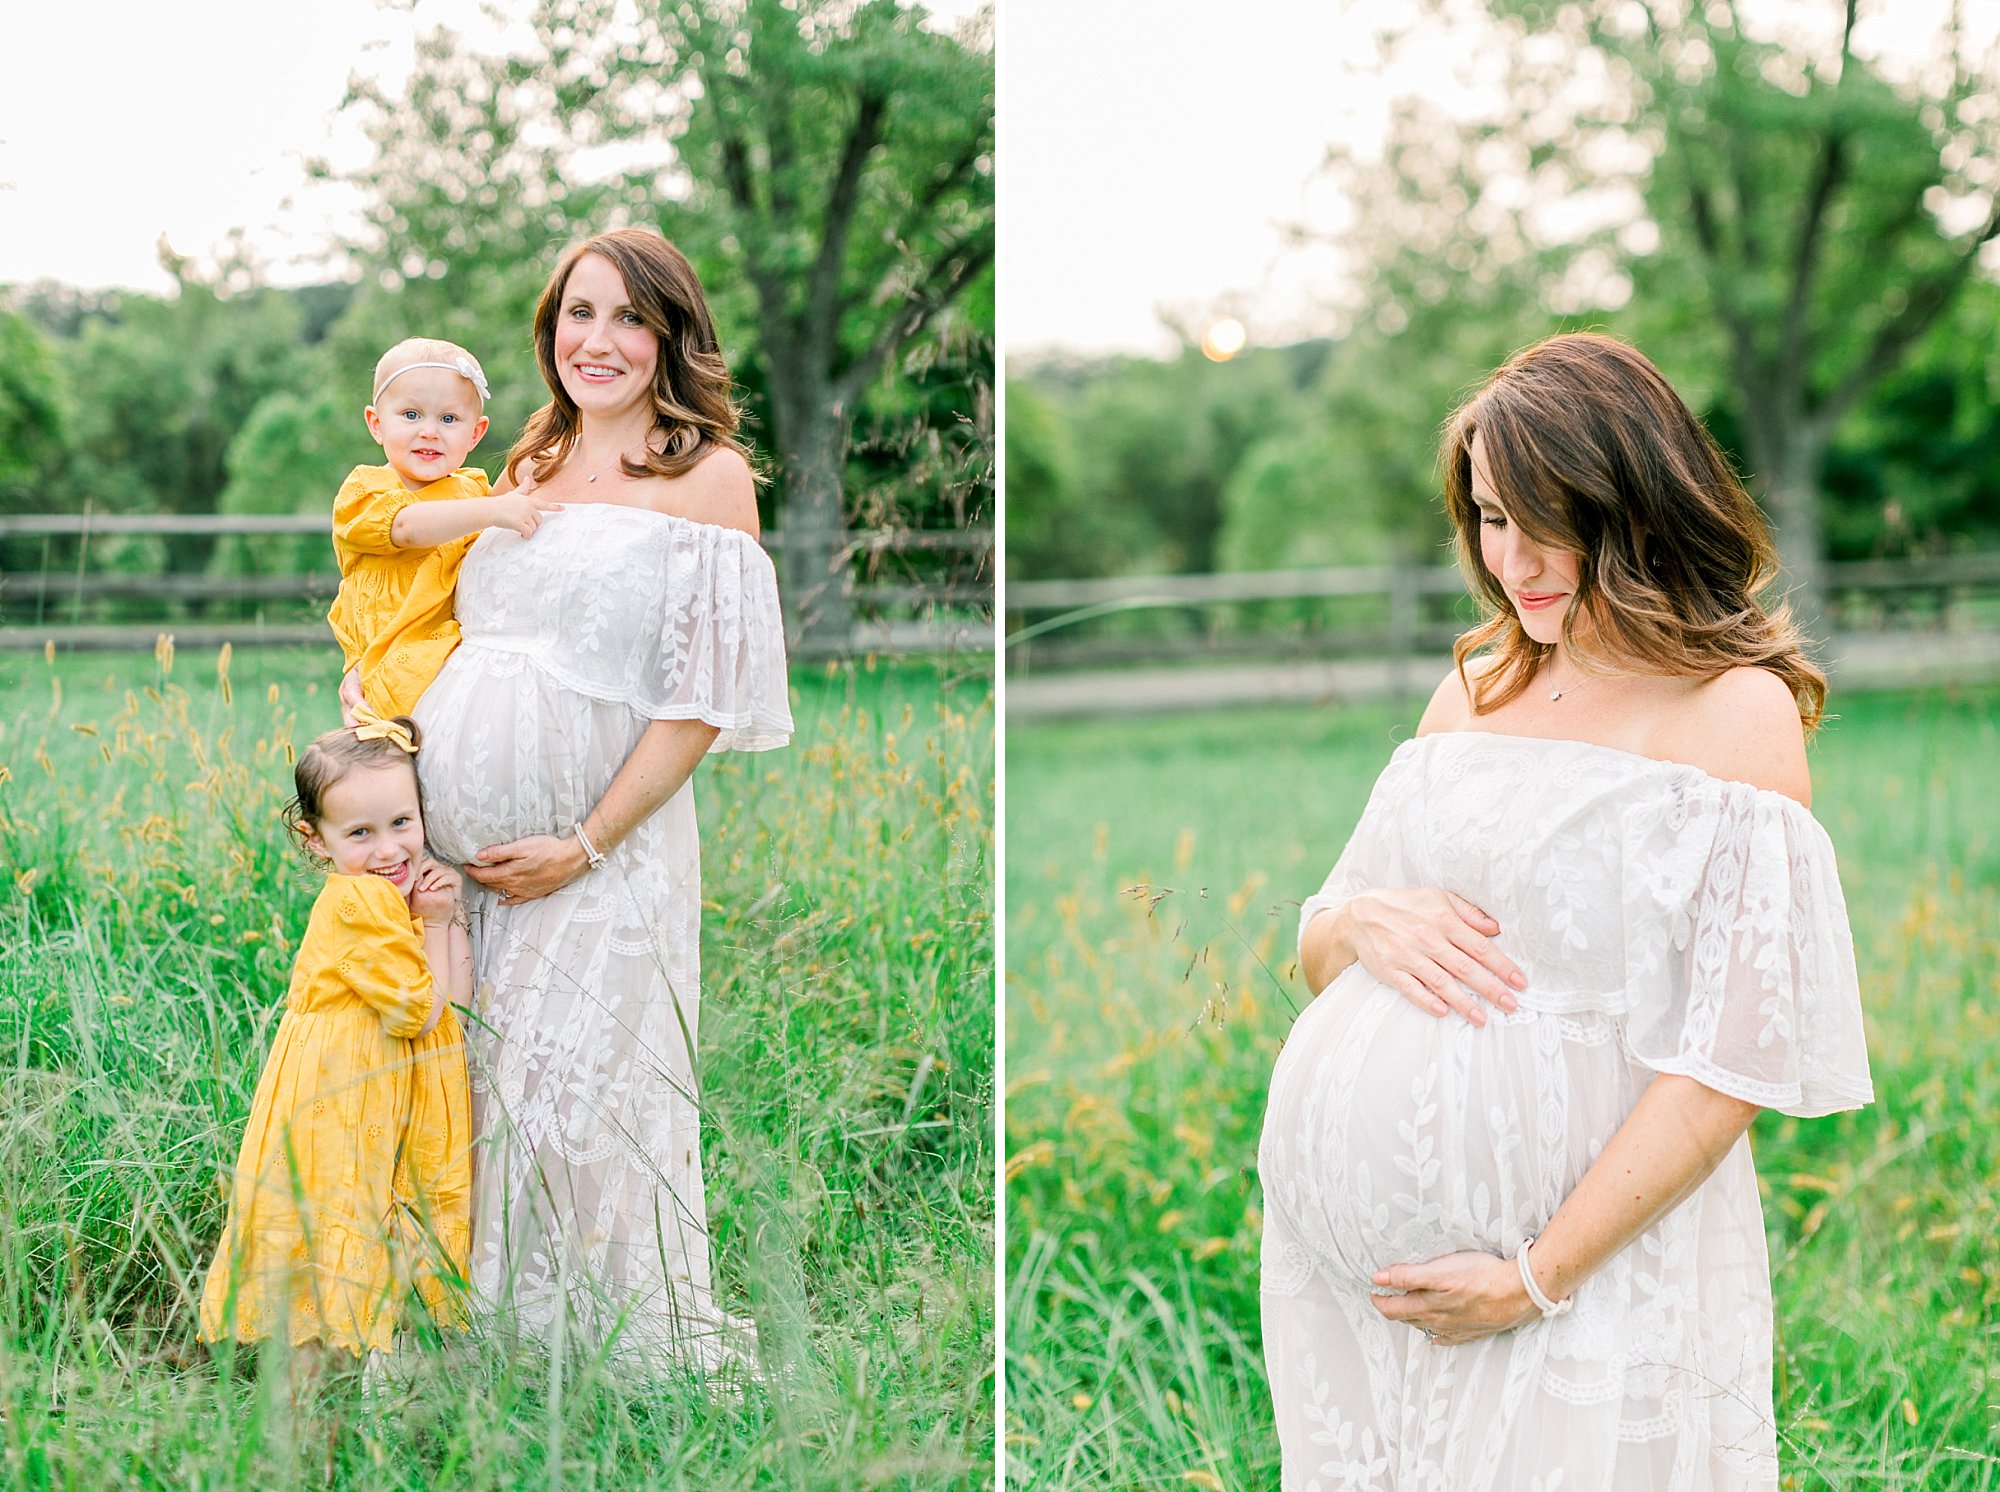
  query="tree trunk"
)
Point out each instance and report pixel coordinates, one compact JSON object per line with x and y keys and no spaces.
{"x":1792,"y":496}
{"x":818,"y":610}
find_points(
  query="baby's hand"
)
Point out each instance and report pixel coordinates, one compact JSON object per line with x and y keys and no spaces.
{"x":350,"y":696}
{"x":434,"y":895}
{"x":522,"y":511}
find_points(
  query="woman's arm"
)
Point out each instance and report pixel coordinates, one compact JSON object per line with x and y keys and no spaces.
{"x":1674,"y":1137}
{"x":664,"y":758}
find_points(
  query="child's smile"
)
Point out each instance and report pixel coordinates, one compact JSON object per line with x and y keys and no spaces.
{"x":370,"y":824}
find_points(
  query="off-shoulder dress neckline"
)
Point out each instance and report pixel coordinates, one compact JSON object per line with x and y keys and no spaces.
{"x":1688,"y":769}
{"x":679,"y":518}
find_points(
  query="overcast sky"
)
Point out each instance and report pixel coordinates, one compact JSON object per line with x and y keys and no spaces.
{"x":122,"y":120}
{"x":1153,"y":154}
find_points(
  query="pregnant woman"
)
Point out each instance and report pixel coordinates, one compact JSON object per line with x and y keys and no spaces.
{"x":1584,"y":931}
{"x":635,"y":632}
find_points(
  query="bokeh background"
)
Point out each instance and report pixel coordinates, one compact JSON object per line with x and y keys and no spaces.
{"x":1250,"y":264}
{"x":213,"y":219}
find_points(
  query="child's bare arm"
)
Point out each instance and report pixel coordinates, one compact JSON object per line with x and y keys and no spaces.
{"x":437,"y":953}
{"x":426,"y":525}
{"x":436,"y":899}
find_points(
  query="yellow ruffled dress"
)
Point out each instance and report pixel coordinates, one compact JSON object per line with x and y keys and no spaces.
{"x":354,"y":1177}
{"x":392,"y":615}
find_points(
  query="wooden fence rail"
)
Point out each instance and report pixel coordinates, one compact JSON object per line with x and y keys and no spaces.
{"x":899,"y":612}
{"x":1073,"y":623}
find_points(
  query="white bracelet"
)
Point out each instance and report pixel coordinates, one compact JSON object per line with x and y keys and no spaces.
{"x":1542,"y":1303}
{"x":591,"y":852}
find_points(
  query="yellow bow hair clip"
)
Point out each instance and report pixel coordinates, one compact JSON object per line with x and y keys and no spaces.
{"x":368,"y":726}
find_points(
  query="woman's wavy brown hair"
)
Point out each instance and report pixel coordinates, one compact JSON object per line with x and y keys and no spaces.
{"x":1590,"y":450}
{"x":694,"y":403}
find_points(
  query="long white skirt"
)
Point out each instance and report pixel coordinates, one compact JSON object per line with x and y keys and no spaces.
{"x":587,"y":1182}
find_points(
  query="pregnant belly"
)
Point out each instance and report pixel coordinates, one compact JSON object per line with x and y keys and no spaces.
{"x":508,"y":752}
{"x":1392,"y":1135}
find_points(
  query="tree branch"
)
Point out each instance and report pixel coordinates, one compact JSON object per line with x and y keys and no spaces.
{"x":736,"y":175}
{"x":822,"y":309}
{"x":950,"y":272}
{"x":1723,"y":275}
{"x":1924,"y":303}
{"x":1831,"y":169}
{"x":959,"y":170}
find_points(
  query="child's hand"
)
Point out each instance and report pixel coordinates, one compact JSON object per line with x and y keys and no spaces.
{"x":522,"y":511}
{"x":350,"y":696}
{"x":435,"y":894}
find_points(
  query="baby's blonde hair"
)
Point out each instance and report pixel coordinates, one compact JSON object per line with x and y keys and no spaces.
{"x":412,"y":351}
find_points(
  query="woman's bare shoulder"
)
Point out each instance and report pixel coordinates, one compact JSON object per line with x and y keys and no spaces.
{"x":1742,"y":726}
{"x":1451,"y":707}
{"x":718,"y":489}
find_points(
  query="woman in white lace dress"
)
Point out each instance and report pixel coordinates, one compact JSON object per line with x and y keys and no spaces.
{"x":636,"y":630}
{"x":1584,"y":931}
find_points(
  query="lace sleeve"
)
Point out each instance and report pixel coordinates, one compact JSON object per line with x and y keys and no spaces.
{"x":1739,"y":963}
{"x":1373,"y":855}
{"x":718,"y":654}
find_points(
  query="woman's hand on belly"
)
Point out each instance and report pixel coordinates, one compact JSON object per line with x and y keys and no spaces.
{"x":525,"y":869}
{"x":1458,"y":1298}
{"x":1432,"y":947}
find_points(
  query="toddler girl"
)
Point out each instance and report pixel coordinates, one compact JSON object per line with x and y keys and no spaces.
{"x":399,"y":531}
{"x":354,"y":1174}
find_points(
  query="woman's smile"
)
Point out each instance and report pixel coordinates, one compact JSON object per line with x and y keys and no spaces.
{"x":601,"y":340}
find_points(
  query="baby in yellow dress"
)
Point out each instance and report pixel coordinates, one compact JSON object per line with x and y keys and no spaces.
{"x":400,"y":531}
{"x":353,"y":1182}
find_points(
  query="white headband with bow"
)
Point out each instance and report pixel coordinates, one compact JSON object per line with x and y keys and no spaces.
{"x":465,"y":367}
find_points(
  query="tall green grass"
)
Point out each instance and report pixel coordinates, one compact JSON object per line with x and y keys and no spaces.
{"x":1154,"y":874}
{"x":149,"y":910}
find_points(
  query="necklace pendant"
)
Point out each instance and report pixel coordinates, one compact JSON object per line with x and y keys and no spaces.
{"x":590,"y":478}
{"x":1556,"y":694}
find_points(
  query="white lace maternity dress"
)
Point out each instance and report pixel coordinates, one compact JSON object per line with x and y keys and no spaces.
{"x":587,"y":1181}
{"x":1667,"y":922}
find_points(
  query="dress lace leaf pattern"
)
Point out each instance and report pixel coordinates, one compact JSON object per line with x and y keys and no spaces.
{"x":1668,"y":922}
{"x":587,"y":1187}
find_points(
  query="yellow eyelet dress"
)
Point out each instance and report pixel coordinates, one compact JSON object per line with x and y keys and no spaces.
{"x":354,"y":1176}
{"x":393,"y":613}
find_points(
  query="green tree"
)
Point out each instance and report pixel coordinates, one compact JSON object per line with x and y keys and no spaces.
{"x":827,"y":165}
{"x":1048,"y":533}
{"x":161,"y":387}
{"x":32,"y":428}
{"x":1774,"y":207}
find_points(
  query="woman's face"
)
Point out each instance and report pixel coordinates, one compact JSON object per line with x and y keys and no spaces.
{"x":604,"y":353}
{"x":1540,"y":582}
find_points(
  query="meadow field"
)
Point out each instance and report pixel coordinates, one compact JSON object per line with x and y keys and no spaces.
{"x":1154,"y":872}
{"x":149,"y":908}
